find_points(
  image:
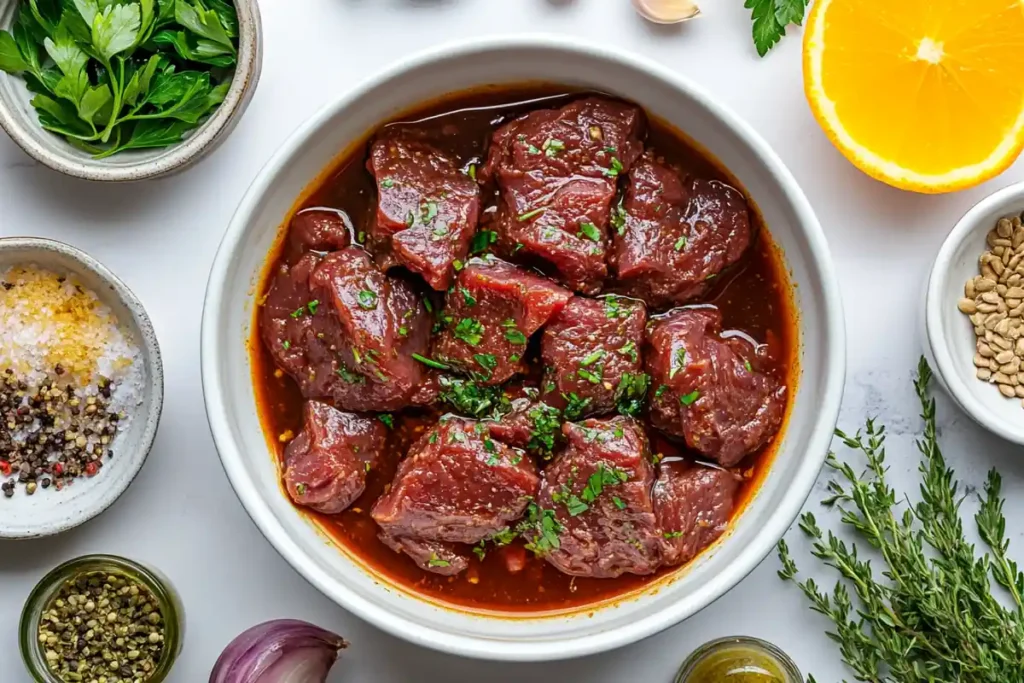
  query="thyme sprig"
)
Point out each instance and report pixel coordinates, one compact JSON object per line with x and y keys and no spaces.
{"x":930,"y":614}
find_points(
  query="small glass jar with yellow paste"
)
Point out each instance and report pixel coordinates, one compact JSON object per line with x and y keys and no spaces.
{"x":739,"y":660}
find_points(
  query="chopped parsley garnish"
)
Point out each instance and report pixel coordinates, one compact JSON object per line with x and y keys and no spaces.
{"x":552,"y":146}
{"x":592,"y":358}
{"x":515,"y":336}
{"x":361,"y":237}
{"x":603,"y":476}
{"x":428,"y":211}
{"x":467,"y":297}
{"x":486,"y":361}
{"x":593,"y":376}
{"x":427,"y":305}
{"x":746,"y":364}
{"x":435,"y":561}
{"x":630,"y":394}
{"x":519,"y":245}
{"x":469,"y":398}
{"x":711,"y":276}
{"x":356,"y":356}
{"x":661,"y":390}
{"x":433,"y":437}
{"x":514,"y":358}
{"x":457,"y":265}
{"x":672,"y":534}
{"x":544,"y":528}
{"x":575,"y":406}
{"x":618,"y":218}
{"x":618,"y":503}
{"x":387,"y":419}
{"x":615,"y":170}
{"x":410,"y":220}
{"x":298,"y":312}
{"x":482,"y":241}
{"x":532,"y":150}
{"x":387,"y":183}
{"x":312,"y":306}
{"x":680,"y":243}
{"x":590,"y":231}
{"x":403,"y":331}
{"x":470,"y":331}
{"x":471,"y":172}
{"x":523,"y":217}
{"x":613,"y":308}
{"x":300,"y":489}
{"x":547,"y":423}
{"x":575,"y":507}
{"x":480,"y":549}
{"x":689,"y":398}
{"x":430,"y":362}
{"x":367,"y":299}
{"x":350,"y":377}
{"x":610,"y":150}
{"x":678,"y":362}
{"x":286,"y":345}
{"x":439,"y":233}
{"x":629,"y":350}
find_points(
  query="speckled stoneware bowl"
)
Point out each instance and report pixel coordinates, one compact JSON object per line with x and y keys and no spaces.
{"x":49,"y":511}
{"x":19,"y":119}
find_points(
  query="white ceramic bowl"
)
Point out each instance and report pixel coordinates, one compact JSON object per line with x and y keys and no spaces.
{"x":49,"y":511}
{"x":19,"y":119}
{"x":949,"y":336}
{"x":227,"y":319}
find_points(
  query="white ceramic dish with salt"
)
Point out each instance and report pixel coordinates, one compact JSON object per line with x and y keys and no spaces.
{"x":138,"y":393}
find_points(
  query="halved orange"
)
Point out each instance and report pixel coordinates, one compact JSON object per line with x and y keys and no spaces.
{"x":926,"y":95}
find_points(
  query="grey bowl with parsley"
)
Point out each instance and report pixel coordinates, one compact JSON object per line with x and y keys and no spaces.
{"x":125,"y":91}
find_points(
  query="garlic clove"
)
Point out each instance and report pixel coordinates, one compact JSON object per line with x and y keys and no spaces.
{"x":667,"y":11}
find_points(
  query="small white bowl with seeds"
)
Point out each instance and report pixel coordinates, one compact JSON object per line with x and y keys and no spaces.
{"x":974,"y":313}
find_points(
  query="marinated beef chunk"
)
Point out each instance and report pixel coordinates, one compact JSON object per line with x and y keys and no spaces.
{"x":362,"y":331}
{"x":596,"y":513}
{"x":706,"y":389}
{"x":490,"y":315}
{"x":591,"y":354}
{"x":427,"y":209}
{"x":457,"y":485}
{"x":327,"y":463}
{"x":532,"y":426}
{"x":693,"y":505}
{"x":673,"y":236}
{"x":431,"y":556}
{"x":286,"y":325}
{"x":321,"y":230}
{"x":557,"y":172}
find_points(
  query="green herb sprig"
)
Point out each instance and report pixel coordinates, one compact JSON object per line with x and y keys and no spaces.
{"x":771,"y":18}
{"x":931,"y":615}
{"x":115,"y":75}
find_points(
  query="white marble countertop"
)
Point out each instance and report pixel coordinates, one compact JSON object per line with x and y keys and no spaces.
{"x":160,"y":237}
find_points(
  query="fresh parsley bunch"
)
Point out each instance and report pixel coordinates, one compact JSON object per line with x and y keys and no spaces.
{"x":114,"y":75}
{"x":771,"y":17}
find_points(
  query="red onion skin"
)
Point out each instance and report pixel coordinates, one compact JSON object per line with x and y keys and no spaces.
{"x":279,"y":651}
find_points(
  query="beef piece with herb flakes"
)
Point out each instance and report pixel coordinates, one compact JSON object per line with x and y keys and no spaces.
{"x":557,"y":172}
{"x":427,"y":208}
{"x":364,"y":328}
{"x":489,"y":317}
{"x":531,"y":425}
{"x":327,"y":463}
{"x":457,"y":485}
{"x":591,"y":351}
{"x":693,"y":505}
{"x":706,"y":388}
{"x":320,"y":230}
{"x":286,"y":325}
{"x":598,"y":492}
{"x":671,"y":237}
{"x":432,"y":556}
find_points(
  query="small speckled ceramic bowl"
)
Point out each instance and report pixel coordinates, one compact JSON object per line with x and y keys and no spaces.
{"x":48,"y":511}
{"x":950,"y":342}
{"x":19,"y":119}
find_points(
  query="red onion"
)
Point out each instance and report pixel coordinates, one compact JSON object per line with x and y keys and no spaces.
{"x":279,"y":651}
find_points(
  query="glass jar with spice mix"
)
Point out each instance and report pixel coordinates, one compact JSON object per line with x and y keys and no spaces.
{"x":739,"y":660}
{"x":102,"y":617}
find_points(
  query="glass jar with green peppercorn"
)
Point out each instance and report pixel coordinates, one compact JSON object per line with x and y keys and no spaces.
{"x":102,"y":618}
{"x":739,"y":660}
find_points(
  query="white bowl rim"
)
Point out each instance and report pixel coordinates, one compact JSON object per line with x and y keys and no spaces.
{"x":155,"y":384}
{"x":484,"y":648}
{"x":945,"y":366}
{"x":180,"y":155}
